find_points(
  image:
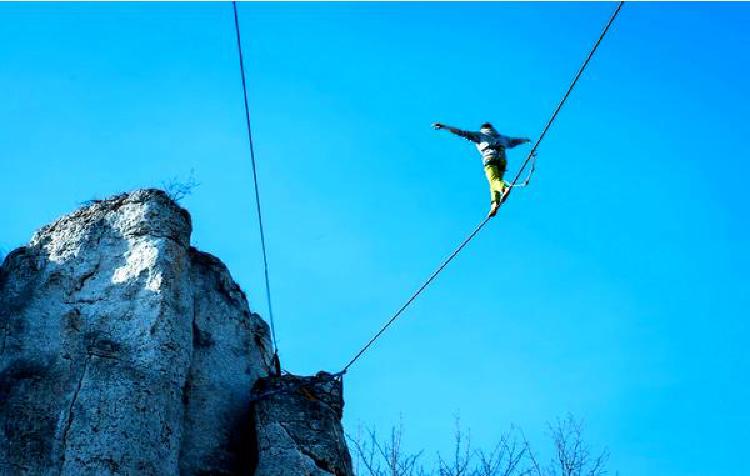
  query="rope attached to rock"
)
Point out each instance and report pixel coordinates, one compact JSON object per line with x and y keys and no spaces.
{"x":255,"y":181}
{"x":531,"y":157}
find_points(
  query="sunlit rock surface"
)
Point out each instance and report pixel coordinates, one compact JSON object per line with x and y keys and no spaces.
{"x":125,"y":351}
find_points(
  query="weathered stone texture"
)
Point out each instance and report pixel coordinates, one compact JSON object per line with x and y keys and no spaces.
{"x":123,"y":350}
{"x":298,"y":425}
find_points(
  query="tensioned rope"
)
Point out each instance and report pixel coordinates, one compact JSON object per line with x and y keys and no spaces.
{"x":484,"y":222}
{"x":552,"y":118}
{"x":417,"y":293}
{"x":255,"y":179}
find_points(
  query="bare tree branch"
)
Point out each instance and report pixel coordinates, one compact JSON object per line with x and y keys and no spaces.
{"x":573,"y":455}
{"x":385,"y":458}
{"x":177,"y":189}
{"x":462,"y":454}
{"x":512,"y":455}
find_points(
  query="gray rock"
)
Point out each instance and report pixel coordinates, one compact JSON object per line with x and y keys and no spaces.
{"x":125,"y":351}
{"x":298,"y":426}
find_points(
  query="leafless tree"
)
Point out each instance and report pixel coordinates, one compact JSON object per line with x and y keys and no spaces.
{"x":388,"y":458}
{"x":512,"y":455}
{"x":507,"y":457}
{"x":178,"y":189}
{"x":573,"y":456}
{"x":462,"y":455}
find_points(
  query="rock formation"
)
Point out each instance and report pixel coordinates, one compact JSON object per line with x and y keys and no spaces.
{"x":123,"y":350}
{"x":290,"y":415}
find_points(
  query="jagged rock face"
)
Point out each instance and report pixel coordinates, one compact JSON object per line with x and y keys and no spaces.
{"x":290,"y":415}
{"x":125,"y":351}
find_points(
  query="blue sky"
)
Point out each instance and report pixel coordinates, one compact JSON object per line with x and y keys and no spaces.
{"x":615,"y":287}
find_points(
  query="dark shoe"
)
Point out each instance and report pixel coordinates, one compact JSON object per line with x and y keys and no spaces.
{"x":493,"y":209}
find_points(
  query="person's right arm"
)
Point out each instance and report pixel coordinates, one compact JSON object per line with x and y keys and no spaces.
{"x":472,"y":136}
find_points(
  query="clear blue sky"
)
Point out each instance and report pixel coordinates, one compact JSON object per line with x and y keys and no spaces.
{"x":616,"y":287}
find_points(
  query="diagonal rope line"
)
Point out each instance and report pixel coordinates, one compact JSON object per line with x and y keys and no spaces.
{"x":255,"y":178}
{"x":560,"y":105}
{"x":484,"y":222}
{"x":418,"y":292}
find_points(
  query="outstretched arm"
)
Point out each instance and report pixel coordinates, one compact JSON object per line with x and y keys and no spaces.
{"x":514,"y":141}
{"x":472,"y":136}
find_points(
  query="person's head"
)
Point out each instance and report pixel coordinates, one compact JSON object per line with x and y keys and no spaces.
{"x":487,"y":128}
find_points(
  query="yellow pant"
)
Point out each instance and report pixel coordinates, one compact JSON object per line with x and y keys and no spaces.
{"x":494,"y":172}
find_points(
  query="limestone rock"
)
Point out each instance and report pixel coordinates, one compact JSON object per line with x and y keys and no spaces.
{"x":125,"y":351}
{"x":291,"y":414}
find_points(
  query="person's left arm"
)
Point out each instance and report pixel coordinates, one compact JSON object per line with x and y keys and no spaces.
{"x":514,"y":141}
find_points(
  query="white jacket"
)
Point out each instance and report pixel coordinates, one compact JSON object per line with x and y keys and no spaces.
{"x":491,"y":145}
